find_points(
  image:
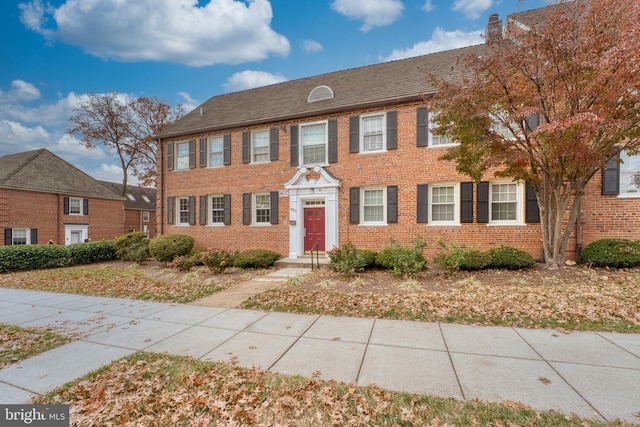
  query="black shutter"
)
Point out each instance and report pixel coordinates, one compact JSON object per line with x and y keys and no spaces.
{"x":246,"y":208}
{"x":392,"y":204}
{"x":333,"y":141}
{"x":532,"y":210}
{"x":192,"y":154}
{"x":611,"y":177}
{"x":85,"y":206}
{"x":203,"y":152}
{"x":203,"y":210}
{"x":274,"y":143}
{"x":422,"y":127}
{"x":354,"y":205}
{"x":354,"y":134}
{"x":170,"y":213}
{"x":227,"y":209}
{"x":293,"y":146}
{"x":170,"y":156}
{"x":273,"y":205}
{"x":66,"y":206}
{"x":34,"y":236}
{"x":246,"y":140}
{"x":422,"y":214}
{"x":482,"y":205}
{"x":8,"y":236}
{"x":392,"y":130}
{"x":192,"y":210}
{"x":226,"y":144}
{"x":466,"y":202}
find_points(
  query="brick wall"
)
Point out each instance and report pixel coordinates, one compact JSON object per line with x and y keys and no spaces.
{"x":45,"y":212}
{"x":405,"y":167}
{"x":133,"y":220}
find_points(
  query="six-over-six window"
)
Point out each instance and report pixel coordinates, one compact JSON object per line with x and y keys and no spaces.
{"x":314,"y":143}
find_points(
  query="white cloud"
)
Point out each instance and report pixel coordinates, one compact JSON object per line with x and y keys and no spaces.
{"x":311,"y":46}
{"x":440,"y":40}
{"x":177,"y":31}
{"x":374,"y":13}
{"x":17,"y":138}
{"x":428,"y":7}
{"x":189,"y":103}
{"x":56,"y":114}
{"x":472,"y":8}
{"x":249,"y":79}
{"x":20,"y":91}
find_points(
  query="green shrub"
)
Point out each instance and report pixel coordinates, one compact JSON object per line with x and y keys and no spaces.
{"x":32,"y":257}
{"x":403,"y":261}
{"x":183,"y":262}
{"x":474,"y":259}
{"x":350,"y":260}
{"x":453,"y":258}
{"x":132,"y":247}
{"x":509,"y":258}
{"x":255,"y":258}
{"x":166,"y":247}
{"x":90,"y":252}
{"x":217,"y":260}
{"x":618,"y":253}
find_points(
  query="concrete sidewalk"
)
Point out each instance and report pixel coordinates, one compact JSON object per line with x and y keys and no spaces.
{"x":589,"y":374}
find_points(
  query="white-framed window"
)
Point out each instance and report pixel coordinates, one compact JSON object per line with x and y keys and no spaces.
{"x":437,"y":140}
{"x":629,"y":175}
{"x":75,"y":206}
{"x":215,"y":152}
{"x":314,"y":143}
{"x":260,"y":146}
{"x":373,"y":135}
{"x":20,"y":236}
{"x":216,"y":209}
{"x":374,"y":206}
{"x":182,"y":155}
{"x":443,"y":204}
{"x":505,"y":200}
{"x":262,"y":209}
{"x":145,"y":216}
{"x":182,"y":211}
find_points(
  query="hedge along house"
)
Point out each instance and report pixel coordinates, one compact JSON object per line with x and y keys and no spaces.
{"x":45,"y":199}
{"x":349,"y":157}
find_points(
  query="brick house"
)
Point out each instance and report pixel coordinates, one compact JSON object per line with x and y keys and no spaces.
{"x":45,"y":199}
{"x":349,"y":157}
{"x":139,"y":208}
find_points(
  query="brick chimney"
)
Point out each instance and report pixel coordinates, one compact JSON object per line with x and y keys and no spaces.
{"x":493,"y":32}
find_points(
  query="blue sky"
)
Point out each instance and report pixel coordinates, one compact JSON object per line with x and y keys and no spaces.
{"x":186,"y":51}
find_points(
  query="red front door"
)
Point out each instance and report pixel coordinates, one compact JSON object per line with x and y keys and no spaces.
{"x":314,"y":228}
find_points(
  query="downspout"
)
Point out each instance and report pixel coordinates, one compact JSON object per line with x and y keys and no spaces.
{"x":160,"y":200}
{"x":58,"y":218}
{"x":579,"y":233}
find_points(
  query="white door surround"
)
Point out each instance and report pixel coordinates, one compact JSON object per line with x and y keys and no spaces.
{"x":302,"y":189}
{"x":75,"y":233}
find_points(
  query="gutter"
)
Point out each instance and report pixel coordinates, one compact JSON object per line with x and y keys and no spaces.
{"x":160,"y":199}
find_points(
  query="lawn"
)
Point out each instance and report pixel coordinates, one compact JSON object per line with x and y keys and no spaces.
{"x":18,"y":343}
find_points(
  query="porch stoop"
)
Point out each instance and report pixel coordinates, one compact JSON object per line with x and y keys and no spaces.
{"x":303,"y":262}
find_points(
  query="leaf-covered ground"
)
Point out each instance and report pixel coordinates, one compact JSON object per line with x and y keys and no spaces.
{"x":160,"y":390}
{"x":149,"y":281}
{"x":573,"y":298}
{"x":17,"y":343}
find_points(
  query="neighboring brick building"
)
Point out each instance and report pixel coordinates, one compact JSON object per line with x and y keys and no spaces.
{"x":349,"y":157}
{"x":139,"y":208}
{"x":45,"y":199}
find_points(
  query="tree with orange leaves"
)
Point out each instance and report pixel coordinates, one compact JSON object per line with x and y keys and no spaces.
{"x":550,"y":103}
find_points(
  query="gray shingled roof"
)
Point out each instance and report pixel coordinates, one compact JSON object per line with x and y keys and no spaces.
{"x":41,"y":170}
{"x":137,"y":193}
{"x":380,"y":84}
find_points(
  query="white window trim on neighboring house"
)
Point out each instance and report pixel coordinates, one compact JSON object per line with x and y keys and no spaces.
{"x":181,"y":160}
{"x":325,"y":125}
{"x":382,"y":132}
{"x":455,"y":202}
{"x":215,"y":153}
{"x":179,"y":210}
{"x":629,"y":170}
{"x":518,"y":200}
{"x":219,"y":209}
{"x":75,"y":206}
{"x":255,"y":208}
{"x":437,"y":140}
{"x":26,"y":237}
{"x":146,"y":215}
{"x":262,"y":150}
{"x":364,"y":206}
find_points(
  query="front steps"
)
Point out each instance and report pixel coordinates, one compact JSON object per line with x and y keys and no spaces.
{"x":303,"y":262}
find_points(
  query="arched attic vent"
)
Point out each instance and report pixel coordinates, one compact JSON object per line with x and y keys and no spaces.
{"x":320,"y":93}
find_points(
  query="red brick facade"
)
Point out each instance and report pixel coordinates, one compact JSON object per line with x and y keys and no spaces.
{"x":406,"y":167}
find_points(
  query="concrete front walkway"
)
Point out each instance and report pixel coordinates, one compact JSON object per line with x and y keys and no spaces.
{"x":589,"y":374}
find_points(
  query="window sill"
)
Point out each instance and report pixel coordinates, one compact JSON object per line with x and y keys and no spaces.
{"x":443,"y":224}
{"x":216,"y":224}
{"x":506,"y":224}
{"x":373,"y":224}
{"x":629,"y":196}
{"x":261,"y":225}
{"x":373,"y":152}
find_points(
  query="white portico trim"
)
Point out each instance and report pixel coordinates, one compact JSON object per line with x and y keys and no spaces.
{"x":302,"y":190}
